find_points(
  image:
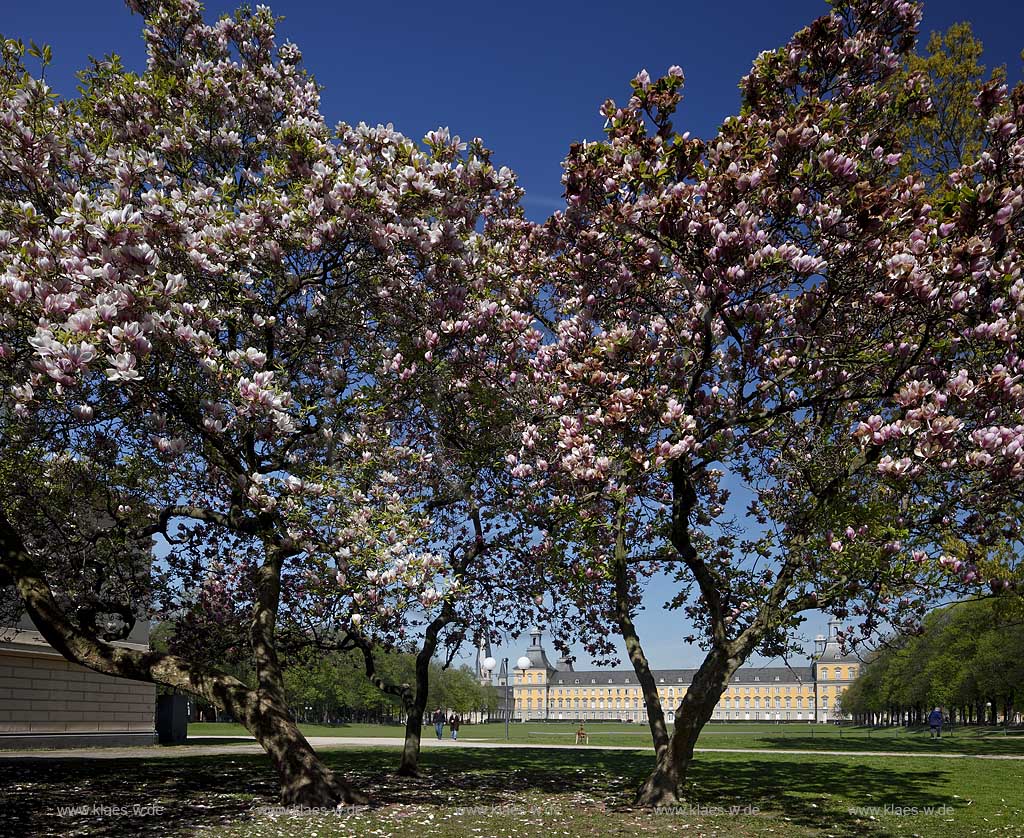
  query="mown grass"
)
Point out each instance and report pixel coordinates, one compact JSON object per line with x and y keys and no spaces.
{"x":237,"y":730}
{"x":522,"y":792}
{"x":774,"y":737}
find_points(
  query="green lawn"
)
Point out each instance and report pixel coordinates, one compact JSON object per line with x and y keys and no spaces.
{"x":775,"y":737}
{"x":520,"y":793}
{"x":230,"y":729}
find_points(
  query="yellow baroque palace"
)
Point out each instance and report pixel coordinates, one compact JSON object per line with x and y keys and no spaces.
{"x":547,"y":691}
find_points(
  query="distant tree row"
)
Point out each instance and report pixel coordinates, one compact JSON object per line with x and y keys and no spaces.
{"x":333,"y":688}
{"x":969,"y":661}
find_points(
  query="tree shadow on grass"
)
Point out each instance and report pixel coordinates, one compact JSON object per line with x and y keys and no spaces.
{"x":145,"y":797}
{"x":810,"y":791}
{"x":202,"y":792}
{"x":911,"y":743}
{"x":821,"y":791}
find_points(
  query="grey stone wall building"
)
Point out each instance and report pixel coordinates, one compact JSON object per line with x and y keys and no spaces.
{"x":48,"y":702}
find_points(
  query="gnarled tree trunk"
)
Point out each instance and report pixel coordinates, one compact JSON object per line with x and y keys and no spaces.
{"x":414,"y":700}
{"x":672,"y":754}
{"x":409,"y":766}
{"x":304,"y":779}
{"x":641,"y":666}
{"x":662,"y":787}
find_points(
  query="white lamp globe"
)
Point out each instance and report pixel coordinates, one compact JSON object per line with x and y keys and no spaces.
{"x":524,"y":663}
{"x":490,"y":663}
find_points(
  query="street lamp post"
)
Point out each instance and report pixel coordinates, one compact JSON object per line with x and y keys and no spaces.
{"x":523,"y":664}
{"x":489,"y":664}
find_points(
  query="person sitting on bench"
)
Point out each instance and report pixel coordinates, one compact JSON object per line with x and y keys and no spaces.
{"x":581,"y":735}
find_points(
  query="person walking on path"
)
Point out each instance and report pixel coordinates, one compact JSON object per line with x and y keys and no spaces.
{"x":935,"y":723}
{"x":454,"y":725}
{"x":438,"y":718}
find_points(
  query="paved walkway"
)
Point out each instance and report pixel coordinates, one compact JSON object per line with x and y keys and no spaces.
{"x":246,"y":745}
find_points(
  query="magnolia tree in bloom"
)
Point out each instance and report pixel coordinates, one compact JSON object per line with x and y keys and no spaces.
{"x":193,"y":270}
{"x":362,"y":402}
{"x":770,"y":368}
{"x":445,"y":340}
{"x":484,"y":551}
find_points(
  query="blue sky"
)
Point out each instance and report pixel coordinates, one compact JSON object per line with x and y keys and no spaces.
{"x":528,"y":77}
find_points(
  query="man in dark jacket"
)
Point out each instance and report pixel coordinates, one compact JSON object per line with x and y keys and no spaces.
{"x":935,"y":723}
{"x":438,"y":720}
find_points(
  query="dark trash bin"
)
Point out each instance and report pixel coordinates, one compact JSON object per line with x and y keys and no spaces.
{"x":172,"y":719}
